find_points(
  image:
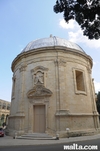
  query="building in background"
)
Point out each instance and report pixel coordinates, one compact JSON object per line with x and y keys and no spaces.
{"x":53,"y":90}
{"x":4,"y":112}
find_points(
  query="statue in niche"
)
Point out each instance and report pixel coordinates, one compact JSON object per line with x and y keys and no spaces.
{"x":39,"y":78}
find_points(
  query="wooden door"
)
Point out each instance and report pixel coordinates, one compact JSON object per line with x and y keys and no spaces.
{"x":39,"y":118}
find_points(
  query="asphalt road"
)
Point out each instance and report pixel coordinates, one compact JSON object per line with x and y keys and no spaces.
{"x":58,"y":147}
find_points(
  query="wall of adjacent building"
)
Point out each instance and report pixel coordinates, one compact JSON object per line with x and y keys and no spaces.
{"x":4,"y":111}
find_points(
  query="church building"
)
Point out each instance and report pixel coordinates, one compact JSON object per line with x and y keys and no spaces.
{"x":53,"y":90}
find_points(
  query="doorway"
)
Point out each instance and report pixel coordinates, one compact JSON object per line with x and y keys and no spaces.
{"x":39,"y":119}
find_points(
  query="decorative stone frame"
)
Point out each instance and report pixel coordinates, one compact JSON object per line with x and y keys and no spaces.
{"x":38,"y":95}
{"x":84,"y":92}
{"x":41,"y":69}
{"x":38,"y":101}
{"x":39,"y":89}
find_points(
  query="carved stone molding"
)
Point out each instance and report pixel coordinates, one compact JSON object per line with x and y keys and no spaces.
{"x":68,"y":113}
{"x":62,"y":112}
{"x":39,"y":68}
{"x":39,"y":91}
{"x":60,"y":62}
{"x":89,"y":70}
{"x":22,"y":68}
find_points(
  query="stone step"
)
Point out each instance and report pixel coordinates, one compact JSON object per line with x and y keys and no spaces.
{"x":43,"y":135}
{"x":33,"y":138}
{"x":36,"y":136}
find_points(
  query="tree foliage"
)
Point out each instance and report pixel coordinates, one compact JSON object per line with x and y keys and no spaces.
{"x":85,"y":12}
{"x":98,"y":102}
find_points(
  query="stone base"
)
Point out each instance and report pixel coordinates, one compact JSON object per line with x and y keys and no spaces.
{"x":61,"y":134}
{"x":78,"y":133}
{"x":14,"y":133}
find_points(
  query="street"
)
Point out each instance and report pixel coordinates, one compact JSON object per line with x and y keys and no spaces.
{"x":56,"y":147}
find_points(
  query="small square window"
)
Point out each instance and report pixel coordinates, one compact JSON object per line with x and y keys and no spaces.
{"x":79,"y":81}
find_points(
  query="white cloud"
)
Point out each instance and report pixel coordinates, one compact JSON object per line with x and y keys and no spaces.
{"x":76,"y":34}
{"x":65,"y":25}
{"x":97,"y":86}
{"x":94,"y":63}
{"x":79,"y":38}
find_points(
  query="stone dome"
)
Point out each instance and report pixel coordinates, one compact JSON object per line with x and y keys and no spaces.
{"x":51,"y":42}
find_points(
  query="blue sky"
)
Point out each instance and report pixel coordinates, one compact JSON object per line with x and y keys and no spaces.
{"x":22,"y":21}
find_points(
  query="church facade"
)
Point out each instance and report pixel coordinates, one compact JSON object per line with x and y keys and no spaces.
{"x":53,"y":90}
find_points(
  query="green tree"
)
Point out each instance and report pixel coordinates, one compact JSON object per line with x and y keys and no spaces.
{"x":2,"y":118}
{"x":98,"y":102}
{"x":85,"y":12}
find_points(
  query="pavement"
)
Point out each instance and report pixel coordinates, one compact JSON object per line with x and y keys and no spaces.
{"x":9,"y":141}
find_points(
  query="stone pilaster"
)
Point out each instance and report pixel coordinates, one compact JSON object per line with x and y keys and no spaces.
{"x":21,"y":100}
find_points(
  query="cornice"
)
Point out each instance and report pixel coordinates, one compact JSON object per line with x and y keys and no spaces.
{"x":49,"y":49}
